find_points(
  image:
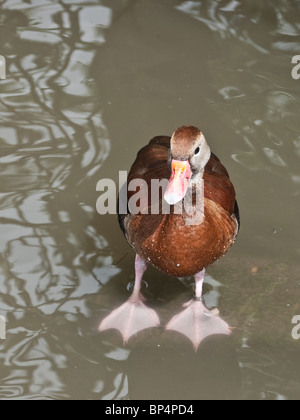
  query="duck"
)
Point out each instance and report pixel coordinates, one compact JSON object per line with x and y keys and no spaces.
{"x":181,"y":215}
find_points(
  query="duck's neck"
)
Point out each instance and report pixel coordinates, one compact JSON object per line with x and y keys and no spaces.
{"x":194,"y":201}
{"x":198,"y":177}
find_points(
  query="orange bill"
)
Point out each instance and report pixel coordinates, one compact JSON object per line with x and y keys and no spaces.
{"x":179,"y":181}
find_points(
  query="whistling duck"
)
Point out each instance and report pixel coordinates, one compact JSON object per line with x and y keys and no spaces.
{"x":180,"y":236}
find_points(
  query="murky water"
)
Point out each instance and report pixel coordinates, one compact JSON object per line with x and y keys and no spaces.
{"x":88,"y":83}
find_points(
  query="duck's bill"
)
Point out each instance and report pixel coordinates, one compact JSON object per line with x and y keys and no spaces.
{"x":179,"y":181}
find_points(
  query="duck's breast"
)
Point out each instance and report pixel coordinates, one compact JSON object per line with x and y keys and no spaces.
{"x":183,"y":250}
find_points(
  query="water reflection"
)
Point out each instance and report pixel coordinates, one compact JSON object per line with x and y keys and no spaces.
{"x":52,"y":141}
{"x":77,"y":104}
{"x":212,"y":373}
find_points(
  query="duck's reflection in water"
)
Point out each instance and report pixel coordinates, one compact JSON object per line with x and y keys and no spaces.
{"x":176,"y":372}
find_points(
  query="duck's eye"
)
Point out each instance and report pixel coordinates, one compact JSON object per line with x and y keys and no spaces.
{"x":197,"y":151}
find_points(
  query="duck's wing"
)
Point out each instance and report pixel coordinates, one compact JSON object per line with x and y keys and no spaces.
{"x":218,"y":186}
{"x":151,"y":164}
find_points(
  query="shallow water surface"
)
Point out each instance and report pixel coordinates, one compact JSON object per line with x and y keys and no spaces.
{"x":89,"y":83}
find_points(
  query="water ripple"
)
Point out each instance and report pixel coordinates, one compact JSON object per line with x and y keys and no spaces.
{"x":52,"y":140}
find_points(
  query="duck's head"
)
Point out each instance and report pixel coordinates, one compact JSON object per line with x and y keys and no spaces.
{"x":189,"y":154}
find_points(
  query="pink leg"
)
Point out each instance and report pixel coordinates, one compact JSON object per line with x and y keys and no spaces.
{"x":133,"y":316}
{"x":196,"y":322}
{"x":140,"y":268}
{"x":199,"y":278}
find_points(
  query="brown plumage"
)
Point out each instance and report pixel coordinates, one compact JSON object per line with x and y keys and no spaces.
{"x":165,"y":241}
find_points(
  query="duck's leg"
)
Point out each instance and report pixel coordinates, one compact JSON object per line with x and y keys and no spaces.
{"x":196,"y":322}
{"x":133,"y":316}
